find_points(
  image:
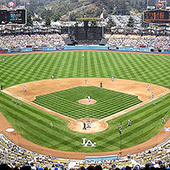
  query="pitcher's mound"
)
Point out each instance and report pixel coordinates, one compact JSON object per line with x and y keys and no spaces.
{"x":86,"y":102}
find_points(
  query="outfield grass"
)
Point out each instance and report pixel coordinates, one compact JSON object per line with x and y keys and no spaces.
{"x":66,"y":102}
{"x":23,"y":68}
{"x":34,"y":124}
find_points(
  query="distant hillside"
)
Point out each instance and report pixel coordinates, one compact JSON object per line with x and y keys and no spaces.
{"x":79,"y":8}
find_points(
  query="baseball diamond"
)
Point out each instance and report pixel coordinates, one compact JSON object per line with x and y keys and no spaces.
{"x":108,"y":102}
{"x":132,"y":73}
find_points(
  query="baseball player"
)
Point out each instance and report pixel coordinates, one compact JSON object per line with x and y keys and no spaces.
{"x":112,"y":78}
{"x":52,"y":125}
{"x":4,"y":59}
{"x":52,"y":77}
{"x":163,"y":120}
{"x":89,"y":98}
{"x":24,"y":88}
{"x":84,"y":125}
{"x":88,"y":124}
{"x":148,"y":87}
{"x":129,"y":123}
{"x":83,"y":55}
{"x":85,"y":80}
{"x":16,"y":102}
{"x":152,"y":95}
{"x":120,"y":129}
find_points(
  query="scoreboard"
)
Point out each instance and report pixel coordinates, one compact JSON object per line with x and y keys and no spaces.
{"x":157,"y":16}
{"x":13,"y":17}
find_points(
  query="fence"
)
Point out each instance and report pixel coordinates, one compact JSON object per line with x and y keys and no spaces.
{"x":85,"y":47}
{"x":101,"y":158}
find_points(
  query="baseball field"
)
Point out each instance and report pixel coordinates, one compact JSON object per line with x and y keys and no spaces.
{"x":33,"y":123}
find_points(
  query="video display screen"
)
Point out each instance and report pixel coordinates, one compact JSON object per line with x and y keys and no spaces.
{"x":157,"y":16}
{"x":13,"y":17}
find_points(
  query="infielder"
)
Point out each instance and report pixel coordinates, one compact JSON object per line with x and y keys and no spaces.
{"x":24,"y":88}
{"x":16,"y":102}
{"x":85,"y":80}
{"x":112,"y":78}
{"x":152,"y":95}
{"x":52,"y":77}
{"x":148,"y":87}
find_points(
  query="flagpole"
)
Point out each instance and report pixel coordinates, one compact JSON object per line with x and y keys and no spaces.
{"x":68,"y":24}
{"x":102,"y":25}
{"x":102,"y":29}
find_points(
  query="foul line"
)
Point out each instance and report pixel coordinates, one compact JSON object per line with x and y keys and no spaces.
{"x":71,"y":119}
{"x":38,"y":106}
{"x":134,"y":107}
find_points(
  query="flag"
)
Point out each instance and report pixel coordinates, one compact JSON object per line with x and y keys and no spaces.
{"x":66,"y":16}
{"x":101,"y":16}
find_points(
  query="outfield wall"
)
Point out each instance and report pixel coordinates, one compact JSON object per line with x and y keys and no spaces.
{"x":81,"y":47}
{"x":85,"y":48}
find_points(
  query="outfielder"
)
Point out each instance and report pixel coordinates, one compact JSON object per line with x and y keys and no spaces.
{"x":52,"y":77}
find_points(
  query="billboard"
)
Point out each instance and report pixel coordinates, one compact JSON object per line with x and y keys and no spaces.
{"x":157,"y":16}
{"x":13,"y":16}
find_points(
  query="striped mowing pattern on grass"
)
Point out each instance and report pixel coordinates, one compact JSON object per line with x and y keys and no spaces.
{"x":66,"y":102}
{"x":23,"y":68}
{"x":34,"y":124}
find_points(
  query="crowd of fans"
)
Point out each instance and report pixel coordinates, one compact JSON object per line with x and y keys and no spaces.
{"x":15,"y":157}
{"x":33,"y":40}
{"x":156,"y":42}
{"x":55,"y":40}
{"x":122,"y":20}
